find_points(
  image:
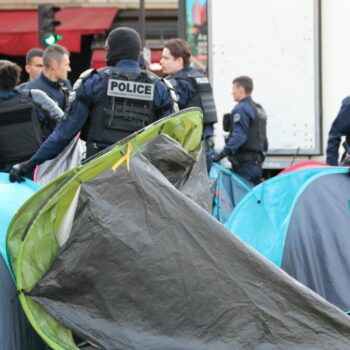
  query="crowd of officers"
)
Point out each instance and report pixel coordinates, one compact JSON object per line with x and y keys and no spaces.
{"x":98,"y":109}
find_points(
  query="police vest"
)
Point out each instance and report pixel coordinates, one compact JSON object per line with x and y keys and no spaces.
{"x":20,"y":131}
{"x":126,"y":106}
{"x":203,"y":97}
{"x":256,"y":137}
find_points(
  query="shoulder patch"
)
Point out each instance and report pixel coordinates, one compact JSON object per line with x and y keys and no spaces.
{"x":236,"y":117}
{"x":202,"y":80}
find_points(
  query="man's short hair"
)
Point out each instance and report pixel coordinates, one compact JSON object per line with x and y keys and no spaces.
{"x":246,"y":82}
{"x":9,"y":74}
{"x":179,"y":48}
{"x":54,"y":52}
{"x":34,"y":52}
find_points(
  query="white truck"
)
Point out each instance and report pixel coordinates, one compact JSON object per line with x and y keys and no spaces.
{"x":298,"y":55}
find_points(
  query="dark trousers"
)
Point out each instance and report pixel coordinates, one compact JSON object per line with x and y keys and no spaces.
{"x":250,"y":170}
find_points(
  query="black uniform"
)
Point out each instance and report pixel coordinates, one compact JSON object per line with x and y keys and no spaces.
{"x":194,"y":90}
{"x":107,"y":105}
{"x":20,"y":129}
{"x":103,"y":119}
{"x":247,"y":142}
{"x":340,"y":127}
{"x":57,"y":91}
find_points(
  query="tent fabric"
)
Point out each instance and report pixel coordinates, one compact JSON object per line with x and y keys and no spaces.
{"x":261,"y":219}
{"x":16,"y":332}
{"x":173,"y":277}
{"x":32,"y":243}
{"x":180,"y":168}
{"x":69,"y":158}
{"x":300,"y":221}
{"x":317,"y":246}
{"x":12,"y":196}
{"x":303,"y":165}
{"x":19,"y":28}
{"x":197,"y":186}
{"x":228,"y":189}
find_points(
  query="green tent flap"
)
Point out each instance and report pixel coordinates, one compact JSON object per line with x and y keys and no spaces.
{"x":32,"y":244}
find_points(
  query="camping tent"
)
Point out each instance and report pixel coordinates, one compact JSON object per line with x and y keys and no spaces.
{"x":143,"y":266}
{"x":303,"y":165}
{"x":16,"y":332}
{"x":12,"y":196}
{"x":228,"y":189}
{"x":300,"y":221}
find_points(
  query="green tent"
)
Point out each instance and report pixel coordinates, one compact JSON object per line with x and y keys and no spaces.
{"x":32,"y":244}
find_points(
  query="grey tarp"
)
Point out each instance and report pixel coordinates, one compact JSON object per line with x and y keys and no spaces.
{"x":16,"y":333}
{"x":181,"y":169}
{"x":147,"y":268}
{"x":69,"y":158}
{"x":316,"y":251}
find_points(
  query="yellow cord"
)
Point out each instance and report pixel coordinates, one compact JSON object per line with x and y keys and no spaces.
{"x":125,"y":158}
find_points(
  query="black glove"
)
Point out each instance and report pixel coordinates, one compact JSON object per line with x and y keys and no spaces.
{"x":218,"y":157}
{"x":21,"y":169}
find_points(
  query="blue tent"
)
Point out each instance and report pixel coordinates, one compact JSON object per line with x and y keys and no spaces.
{"x":300,"y":221}
{"x":228,"y":189}
{"x":12,"y":196}
{"x":15,"y":331}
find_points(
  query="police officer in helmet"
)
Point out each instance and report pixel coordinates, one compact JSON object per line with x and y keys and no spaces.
{"x":109,"y":104}
{"x":191,"y":85}
{"x":247,"y":141}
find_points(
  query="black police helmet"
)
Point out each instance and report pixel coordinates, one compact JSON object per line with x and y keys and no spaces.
{"x":122,"y":43}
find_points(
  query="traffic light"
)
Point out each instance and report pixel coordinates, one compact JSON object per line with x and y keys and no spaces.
{"x":47,"y":24}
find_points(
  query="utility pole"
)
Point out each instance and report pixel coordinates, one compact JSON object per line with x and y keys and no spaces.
{"x":181,"y":19}
{"x":142,"y":16}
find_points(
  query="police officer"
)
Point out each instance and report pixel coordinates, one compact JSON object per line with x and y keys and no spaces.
{"x":53,"y":80}
{"x":191,"y":86}
{"x":20,"y":130}
{"x":247,"y":142}
{"x":34,"y":63}
{"x":339,"y":128}
{"x":109,"y":104}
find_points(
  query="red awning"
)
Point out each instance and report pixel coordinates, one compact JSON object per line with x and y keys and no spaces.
{"x":19,"y":29}
{"x":98,"y":58}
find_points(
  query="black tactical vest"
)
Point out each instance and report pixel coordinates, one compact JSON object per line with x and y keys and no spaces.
{"x":256,"y":133}
{"x":203,"y":97}
{"x":20,"y":131}
{"x":126,"y":106}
